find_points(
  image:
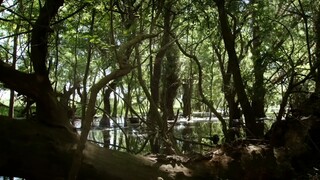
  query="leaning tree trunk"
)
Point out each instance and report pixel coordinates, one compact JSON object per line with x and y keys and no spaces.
{"x":38,"y":151}
{"x":229,"y":41}
{"x":84,"y":97}
{"x":37,"y":85}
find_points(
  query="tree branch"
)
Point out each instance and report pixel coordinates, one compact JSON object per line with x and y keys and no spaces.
{"x":21,"y":82}
{"x":40,"y":32}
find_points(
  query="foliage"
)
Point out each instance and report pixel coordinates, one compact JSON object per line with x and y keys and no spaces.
{"x":278,"y":36}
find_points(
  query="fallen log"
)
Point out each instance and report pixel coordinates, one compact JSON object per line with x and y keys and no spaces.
{"x":33,"y":150}
{"x":36,"y":151}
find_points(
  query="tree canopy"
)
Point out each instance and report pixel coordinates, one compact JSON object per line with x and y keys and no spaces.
{"x":156,"y":60}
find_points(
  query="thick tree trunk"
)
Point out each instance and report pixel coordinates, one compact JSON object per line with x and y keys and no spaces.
{"x":171,"y":81}
{"x":37,"y":151}
{"x":34,"y":150}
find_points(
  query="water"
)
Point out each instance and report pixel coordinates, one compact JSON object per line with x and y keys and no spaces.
{"x":191,"y":135}
{"x":6,"y":178}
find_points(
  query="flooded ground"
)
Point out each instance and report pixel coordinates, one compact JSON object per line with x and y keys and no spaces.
{"x":192,"y":135}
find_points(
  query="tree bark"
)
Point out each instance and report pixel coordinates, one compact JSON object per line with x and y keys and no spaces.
{"x":33,"y":150}
{"x":84,"y":97}
{"x":259,"y":68}
{"x":171,"y":81}
{"x":186,"y":98}
{"x":37,"y":151}
{"x":317,"y":51}
{"x":230,"y":95}
{"x":105,"y":121}
{"x":154,"y":118}
{"x":229,"y":42}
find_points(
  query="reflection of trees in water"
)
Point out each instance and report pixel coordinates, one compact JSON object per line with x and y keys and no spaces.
{"x":128,"y":139}
{"x":186,"y":135}
{"x":191,"y":137}
{"x":96,"y":136}
{"x":106,"y":139}
{"x":198,"y":136}
{"x":201,"y":130}
{"x":104,"y":122}
{"x":120,"y":141}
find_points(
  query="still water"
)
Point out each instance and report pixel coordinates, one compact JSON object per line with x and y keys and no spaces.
{"x":191,"y":135}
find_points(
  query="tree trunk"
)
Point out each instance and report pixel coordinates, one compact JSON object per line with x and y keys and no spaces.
{"x":229,"y":41}
{"x":84,"y":98}
{"x":37,"y":151}
{"x":171,"y":81}
{"x":155,"y":80}
{"x":186,"y":98}
{"x":230,"y":95}
{"x":200,"y":90}
{"x":115,"y":106}
{"x":258,"y":70}
{"x":317,"y":51}
{"x":105,"y":121}
{"x":14,"y":59}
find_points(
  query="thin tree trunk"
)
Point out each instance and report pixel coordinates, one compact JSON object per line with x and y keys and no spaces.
{"x":86,"y":73}
{"x":125,"y":68}
{"x":229,"y":42}
{"x":317,"y":51}
{"x":155,"y":81}
{"x":230,"y":95}
{"x":186,"y":98}
{"x":258,"y":70}
{"x":115,"y":106}
{"x":105,"y":121}
{"x":200,"y":89}
{"x":14,"y":59}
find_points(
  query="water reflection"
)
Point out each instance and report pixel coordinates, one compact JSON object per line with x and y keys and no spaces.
{"x":186,"y":134}
{"x":10,"y":178}
{"x":191,"y":135}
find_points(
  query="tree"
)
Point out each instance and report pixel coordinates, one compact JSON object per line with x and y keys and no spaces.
{"x":170,"y":81}
{"x":37,"y":85}
{"x":229,"y":41}
{"x":103,"y":45}
{"x":317,"y":49}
